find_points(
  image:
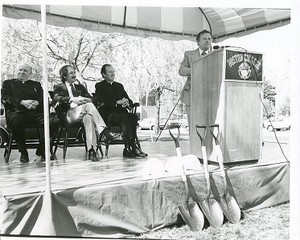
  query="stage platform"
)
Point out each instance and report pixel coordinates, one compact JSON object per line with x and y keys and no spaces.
{"x":114,"y":198}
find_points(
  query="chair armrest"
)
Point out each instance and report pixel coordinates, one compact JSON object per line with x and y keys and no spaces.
{"x":134,"y":107}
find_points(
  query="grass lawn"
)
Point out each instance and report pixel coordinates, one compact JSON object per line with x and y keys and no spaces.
{"x":264,"y":224}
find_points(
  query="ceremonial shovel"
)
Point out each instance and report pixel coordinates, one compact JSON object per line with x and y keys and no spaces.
{"x":190,"y":212}
{"x":210,"y":207}
{"x":228,"y":203}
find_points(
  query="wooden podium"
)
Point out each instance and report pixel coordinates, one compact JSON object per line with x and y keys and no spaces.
{"x":226,"y":88}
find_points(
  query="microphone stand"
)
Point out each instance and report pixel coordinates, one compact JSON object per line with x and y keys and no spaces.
{"x":167,"y":120}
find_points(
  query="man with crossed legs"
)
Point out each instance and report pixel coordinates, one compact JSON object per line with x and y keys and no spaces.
{"x":76,"y":104}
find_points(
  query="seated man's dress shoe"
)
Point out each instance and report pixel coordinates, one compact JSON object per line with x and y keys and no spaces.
{"x":24,"y":158}
{"x":140,"y":153}
{"x":108,"y":137}
{"x":128,"y":153}
{"x":92,"y":155}
{"x":42,"y":158}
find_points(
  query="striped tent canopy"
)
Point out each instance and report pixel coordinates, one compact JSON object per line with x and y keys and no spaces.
{"x":173,"y":23}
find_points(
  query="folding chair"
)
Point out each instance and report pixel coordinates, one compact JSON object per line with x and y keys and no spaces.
{"x":67,"y":141}
{"x":11,"y":142}
{"x":76,"y":139}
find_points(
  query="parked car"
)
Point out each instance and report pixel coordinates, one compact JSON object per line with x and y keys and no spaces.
{"x":150,"y":123}
{"x":174,"y":122}
{"x":184,"y":122}
{"x":277,"y":124}
{"x":3,"y":128}
{"x":147,"y":123}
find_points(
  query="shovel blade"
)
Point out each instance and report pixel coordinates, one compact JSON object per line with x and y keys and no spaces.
{"x":192,"y":216}
{"x":230,"y":208}
{"x":212,"y":211}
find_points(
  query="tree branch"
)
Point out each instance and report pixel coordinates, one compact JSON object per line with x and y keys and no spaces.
{"x":54,"y":55}
{"x":90,"y":57}
{"x":78,"y":53}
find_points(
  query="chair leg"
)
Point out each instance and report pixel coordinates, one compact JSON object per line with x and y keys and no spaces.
{"x":58,"y":139}
{"x":100,"y":139}
{"x":65,"y":143}
{"x":106,"y":150}
{"x":99,"y":147}
{"x":85,"y":146}
{"x":40,"y":132}
{"x":8,"y":147}
{"x":52,"y":140}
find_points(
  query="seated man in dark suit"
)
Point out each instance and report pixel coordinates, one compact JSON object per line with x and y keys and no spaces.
{"x":23,"y":100}
{"x":114,"y":102}
{"x":76,"y":104}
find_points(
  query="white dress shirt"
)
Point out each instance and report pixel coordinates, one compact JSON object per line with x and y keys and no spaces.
{"x":72,"y":105}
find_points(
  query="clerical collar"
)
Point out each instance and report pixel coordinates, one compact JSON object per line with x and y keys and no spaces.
{"x":110,"y":82}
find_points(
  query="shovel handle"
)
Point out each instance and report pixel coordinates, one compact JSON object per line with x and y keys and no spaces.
{"x":216,"y":137}
{"x":221,"y":161}
{"x":219,"y":151}
{"x":198,"y":127}
{"x":205,"y":162}
{"x":183,"y":175}
{"x":176,"y":139}
{"x":178,"y":151}
{"x":203,"y":148}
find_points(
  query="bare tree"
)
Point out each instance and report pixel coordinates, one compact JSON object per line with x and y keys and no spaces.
{"x":142,"y":64}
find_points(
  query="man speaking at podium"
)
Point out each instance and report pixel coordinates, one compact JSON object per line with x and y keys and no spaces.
{"x":204,"y":40}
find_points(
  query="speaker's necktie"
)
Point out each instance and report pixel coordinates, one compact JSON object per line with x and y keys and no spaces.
{"x":74,"y":91}
{"x":203,"y":53}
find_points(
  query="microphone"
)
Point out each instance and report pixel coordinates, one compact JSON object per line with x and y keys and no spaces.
{"x":221,"y":47}
{"x":218,"y":47}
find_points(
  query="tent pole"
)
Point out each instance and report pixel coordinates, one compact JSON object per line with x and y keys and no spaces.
{"x":1,"y":22}
{"x":44,"y":224}
{"x":45,"y":97}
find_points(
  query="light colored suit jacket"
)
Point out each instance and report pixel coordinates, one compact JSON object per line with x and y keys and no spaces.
{"x":185,"y":70}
